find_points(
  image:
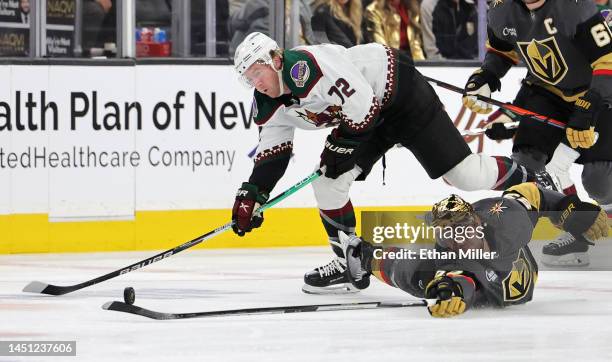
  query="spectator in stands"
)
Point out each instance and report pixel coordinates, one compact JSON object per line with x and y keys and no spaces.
{"x":337,"y":22}
{"x":108,"y":29}
{"x":396,"y":23}
{"x":454,"y":26}
{"x":154,"y":13}
{"x":94,"y":15}
{"x":429,"y":40}
{"x":235,"y":5}
{"x":253,"y":16}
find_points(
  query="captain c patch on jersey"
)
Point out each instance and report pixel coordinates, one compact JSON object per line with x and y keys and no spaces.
{"x":544,"y":59}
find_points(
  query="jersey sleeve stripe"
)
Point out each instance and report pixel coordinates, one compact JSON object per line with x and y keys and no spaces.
{"x":509,"y":56}
{"x":284,"y":148}
{"x":602,"y":72}
{"x":603,"y":65}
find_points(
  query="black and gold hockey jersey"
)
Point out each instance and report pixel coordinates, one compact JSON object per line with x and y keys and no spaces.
{"x":566,"y":45}
{"x":506,"y":278}
{"x":510,"y":275}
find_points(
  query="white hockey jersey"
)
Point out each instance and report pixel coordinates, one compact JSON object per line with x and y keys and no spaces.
{"x":330,"y":86}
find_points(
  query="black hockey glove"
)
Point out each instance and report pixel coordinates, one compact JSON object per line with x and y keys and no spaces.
{"x":483,"y":83}
{"x":248,"y":199}
{"x":496,"y":128}
{"x":339,"y":155}
{"x":451,"y":292}
{"x":580,"y":129}
{"x":581,"y":218}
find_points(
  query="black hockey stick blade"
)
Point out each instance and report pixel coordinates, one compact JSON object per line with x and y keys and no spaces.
{"x":133,"y":309}
{"x":45,"y":288}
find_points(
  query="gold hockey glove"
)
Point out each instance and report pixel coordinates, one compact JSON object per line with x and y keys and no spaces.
{"x":599,"y":229}
{"x":580,"y":129}
{"x":449,"y":291}
{"x":580,"y":138}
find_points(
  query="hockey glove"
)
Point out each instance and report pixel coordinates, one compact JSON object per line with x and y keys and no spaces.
{"x":580,"y":129}
{"x":482,"y":83}
{"x":339,"y":155}
{"x":452,"y":293}
{"x":496,"y":128}
{"x":248,"y":199}
{"x":581,"y":218}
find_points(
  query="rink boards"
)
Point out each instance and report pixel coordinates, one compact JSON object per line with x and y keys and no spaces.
{"x":113,"y":158}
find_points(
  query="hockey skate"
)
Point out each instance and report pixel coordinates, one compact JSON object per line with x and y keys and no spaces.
{"x":567,"y":251}
{"x":329,"y":279}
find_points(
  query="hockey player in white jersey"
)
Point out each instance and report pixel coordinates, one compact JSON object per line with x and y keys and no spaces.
{"x":373,"y":98}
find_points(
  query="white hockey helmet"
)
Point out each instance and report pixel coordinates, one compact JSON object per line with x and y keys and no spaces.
{"x":256,"y":47}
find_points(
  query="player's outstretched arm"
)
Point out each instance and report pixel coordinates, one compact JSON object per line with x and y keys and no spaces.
{"x":271,"y":161}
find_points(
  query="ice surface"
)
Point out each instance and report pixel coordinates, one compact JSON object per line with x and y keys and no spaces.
{"x":570,"y":317}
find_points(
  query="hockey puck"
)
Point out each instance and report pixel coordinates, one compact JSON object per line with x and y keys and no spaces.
{"x":129,"y":295}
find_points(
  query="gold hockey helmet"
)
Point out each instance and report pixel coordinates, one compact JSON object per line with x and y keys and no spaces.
{"x":451,"y":211}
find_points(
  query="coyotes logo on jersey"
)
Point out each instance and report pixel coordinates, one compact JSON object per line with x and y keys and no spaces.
{"x":331,"y":116}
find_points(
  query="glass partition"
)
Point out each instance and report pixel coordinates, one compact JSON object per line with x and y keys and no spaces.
{"x":207,"y":28}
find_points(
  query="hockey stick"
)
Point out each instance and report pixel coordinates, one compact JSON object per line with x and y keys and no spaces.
{"x":44,"y":288}
{"x":479,"y":131}
{"x":507,"y":106}
{"x":132,"y":309}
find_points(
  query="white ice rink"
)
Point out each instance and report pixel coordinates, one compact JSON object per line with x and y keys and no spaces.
{"x":570,"y":317}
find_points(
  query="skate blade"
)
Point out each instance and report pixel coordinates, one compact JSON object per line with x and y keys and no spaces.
{"x":346,"y":288}
{"x":567,"y":260}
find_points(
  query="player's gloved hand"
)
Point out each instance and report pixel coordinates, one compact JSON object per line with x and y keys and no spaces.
{"x":482,"y":82}
{"x":599,"y":229}
{"x":339,"y":154}
{"x":248,"y":199}
{"x":496,"y":128}
{"x":580,"y":129}
{"x":448,"y":290}
{"x":581,"y":218}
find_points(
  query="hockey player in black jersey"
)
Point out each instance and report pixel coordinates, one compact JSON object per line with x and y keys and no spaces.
{"x":497,"y":268}
{"x":567,"y":47}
